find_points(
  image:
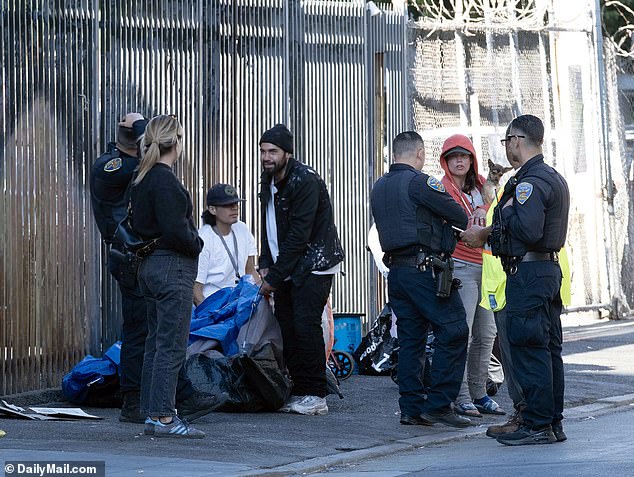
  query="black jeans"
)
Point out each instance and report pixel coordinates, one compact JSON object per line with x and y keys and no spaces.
{"x":133,"y":335}
{"x":412,"y":295}
{"x":298,"y":311}
{"x":167,"y":280}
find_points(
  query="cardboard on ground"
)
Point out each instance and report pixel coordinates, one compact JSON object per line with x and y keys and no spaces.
{"x":44,"y":413}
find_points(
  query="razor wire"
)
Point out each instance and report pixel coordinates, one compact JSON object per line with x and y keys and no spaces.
{"x":624,"y":35}
{"x":522,"y":15}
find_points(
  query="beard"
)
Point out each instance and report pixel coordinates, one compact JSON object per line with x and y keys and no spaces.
{"x":277,"y":166}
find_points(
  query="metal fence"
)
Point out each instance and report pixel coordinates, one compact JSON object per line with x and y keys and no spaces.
{"x":472,"y":74}
{"x":346,"y":78}
{"x":229,"y":69}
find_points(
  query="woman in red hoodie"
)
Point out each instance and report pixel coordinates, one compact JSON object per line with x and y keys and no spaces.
{"x":458,"y":160}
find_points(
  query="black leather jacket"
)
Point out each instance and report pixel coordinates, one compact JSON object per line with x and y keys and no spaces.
{"x":306,"y":232}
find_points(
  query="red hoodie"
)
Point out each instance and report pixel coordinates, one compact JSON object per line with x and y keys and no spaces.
{"x":462,"y":252}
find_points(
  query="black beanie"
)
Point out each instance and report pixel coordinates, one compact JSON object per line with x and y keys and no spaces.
{"x":280,"y":136}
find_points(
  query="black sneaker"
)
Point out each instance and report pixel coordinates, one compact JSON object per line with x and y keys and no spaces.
{"x":449,"y":418}
{"x":527,"y":436}
{"x":199,"y":404}
{"x":558,"y":430}
{"x":131,"y":408}
{"x":407,"y":420}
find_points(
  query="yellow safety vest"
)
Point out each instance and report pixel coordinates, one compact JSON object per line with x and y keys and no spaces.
{"x":494,"y":277}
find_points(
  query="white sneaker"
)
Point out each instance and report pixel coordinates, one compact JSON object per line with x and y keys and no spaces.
{"x":287,"y":405}
{"x":310,"y":405}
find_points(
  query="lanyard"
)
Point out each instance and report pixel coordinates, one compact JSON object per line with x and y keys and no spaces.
{"x":469,"y":208}
{"x":234,"y":260}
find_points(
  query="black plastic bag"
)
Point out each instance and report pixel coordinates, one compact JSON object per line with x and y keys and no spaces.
{"x":263,"y":373}
{"x":253,"y":383}
{"x":377,"y":354}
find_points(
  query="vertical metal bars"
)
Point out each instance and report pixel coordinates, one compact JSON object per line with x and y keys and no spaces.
{"x":229,"y":70}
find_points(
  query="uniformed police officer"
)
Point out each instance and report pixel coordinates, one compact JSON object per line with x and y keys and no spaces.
{"x":529,"y":228}
{"x":414,"y":216}
{"x":109,"y":178}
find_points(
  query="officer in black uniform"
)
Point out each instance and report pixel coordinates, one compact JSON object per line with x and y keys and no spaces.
{"x":414,"y":216}
{"x":109,"y":178}
{"x":529,"y":228}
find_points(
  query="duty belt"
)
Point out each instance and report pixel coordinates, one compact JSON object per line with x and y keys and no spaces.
{"x":541,"y":257}
{"x":509,"y":264}
{"x":402,"y":261}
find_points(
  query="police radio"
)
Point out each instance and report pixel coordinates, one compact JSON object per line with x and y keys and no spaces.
{"x":499,"y":239}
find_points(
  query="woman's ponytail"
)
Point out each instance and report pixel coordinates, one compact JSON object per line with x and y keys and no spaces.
{"x":161,"y":134}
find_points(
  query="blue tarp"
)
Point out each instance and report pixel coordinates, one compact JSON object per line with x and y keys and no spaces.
{"x":90,"y":371}
{"x":223,"y":313}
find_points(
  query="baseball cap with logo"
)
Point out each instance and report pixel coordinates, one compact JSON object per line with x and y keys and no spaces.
{"x":223,"y":194}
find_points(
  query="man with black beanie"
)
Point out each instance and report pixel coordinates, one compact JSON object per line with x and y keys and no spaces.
{"x":301,"y":252}
{"x":109,"y":178}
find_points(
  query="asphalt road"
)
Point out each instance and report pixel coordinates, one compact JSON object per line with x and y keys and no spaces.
{"x":600,"y":446}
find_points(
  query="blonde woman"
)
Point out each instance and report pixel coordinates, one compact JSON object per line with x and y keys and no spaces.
{"x":162,"y":208}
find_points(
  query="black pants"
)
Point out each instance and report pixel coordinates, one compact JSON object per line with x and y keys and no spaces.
{"x":533,"y":308}
{"x":298,"y":311}
{"x":133,"y":335}
{"x":412,"y":295}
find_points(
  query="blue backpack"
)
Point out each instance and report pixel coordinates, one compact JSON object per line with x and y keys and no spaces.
{"x":94,"y":380}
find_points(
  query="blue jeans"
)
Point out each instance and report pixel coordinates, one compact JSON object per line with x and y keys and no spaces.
{"x":412,"y":295}
{"x":167,"y":281}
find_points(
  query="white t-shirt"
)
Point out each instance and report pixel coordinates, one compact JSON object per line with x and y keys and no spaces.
{"x":215,"y":270}
{"x":271,"y":224}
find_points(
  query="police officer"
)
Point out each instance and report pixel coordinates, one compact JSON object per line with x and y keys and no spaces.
{"x":529,"y":228}
{"x":109,"y":178}
{"x":414,"y":216}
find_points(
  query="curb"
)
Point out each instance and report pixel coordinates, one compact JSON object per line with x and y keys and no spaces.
{"x":324,"y":462}
{"x":585,"y":411}
{"x":39,"y":396}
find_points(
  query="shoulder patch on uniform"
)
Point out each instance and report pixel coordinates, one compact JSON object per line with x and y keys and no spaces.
{"x":435,"y":184}
{"x":523,"y":192}
{"x":113,"y":165}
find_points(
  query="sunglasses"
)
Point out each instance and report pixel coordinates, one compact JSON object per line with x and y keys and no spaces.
{"x":508,"y":138}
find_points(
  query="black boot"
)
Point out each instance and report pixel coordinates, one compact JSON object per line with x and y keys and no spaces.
{"x":131,"y":408}
{"x":558,"y":430}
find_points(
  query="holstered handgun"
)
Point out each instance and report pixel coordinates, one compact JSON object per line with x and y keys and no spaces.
{"x":442,"y":270}
{"x":421,"y":261}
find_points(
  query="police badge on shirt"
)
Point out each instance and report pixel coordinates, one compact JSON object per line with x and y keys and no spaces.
{"x":435,"y":184}
{"x":523,"y":192}
{"x":113,"y":165}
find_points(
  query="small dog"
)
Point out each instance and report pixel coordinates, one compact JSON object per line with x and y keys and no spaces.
{"x":492,"y":184}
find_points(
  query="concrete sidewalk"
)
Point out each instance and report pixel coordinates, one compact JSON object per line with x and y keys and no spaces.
{"x":363,"y":425}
